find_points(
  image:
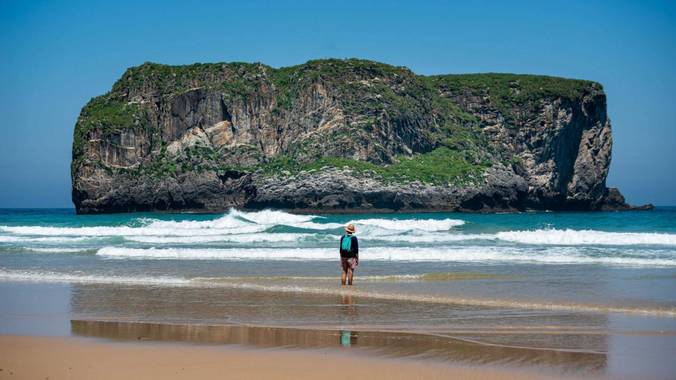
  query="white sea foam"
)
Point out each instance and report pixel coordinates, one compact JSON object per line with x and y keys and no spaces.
{"x":217,"y":253}
{"x":230,"y":223}
{"x":45,"y":276}
{"x":225,"y":222}
{"x":233,"y":223}
{"x":237,"y":238}
{"x":244,"y":221}
{"x":272,"y":217}
{"x":433,"y":237}
{"x":153,"y":229}
{"x":299,"y":237}
{"x":56,"y":250}
{"x":378,"y":239}
{"x":444,"y":254}
{"x":71,"y":231}
{"x":586,"y":237}
{"x":48,"y":276}
{"x":250,"y":227}
{"x":30,"y":239}
{"x":410,"y":224}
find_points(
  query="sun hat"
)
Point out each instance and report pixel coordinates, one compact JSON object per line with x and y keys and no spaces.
{"x":350,"y":228}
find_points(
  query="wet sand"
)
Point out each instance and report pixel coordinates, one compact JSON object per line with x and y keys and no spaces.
{"x":507,"y":342}
{"x":23,"y":357}
{"x":435,"y":347}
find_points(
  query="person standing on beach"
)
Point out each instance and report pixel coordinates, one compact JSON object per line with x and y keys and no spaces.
{"x":349,"y":254}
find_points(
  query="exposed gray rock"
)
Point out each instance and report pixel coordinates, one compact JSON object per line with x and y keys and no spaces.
{"x":210,"y":137}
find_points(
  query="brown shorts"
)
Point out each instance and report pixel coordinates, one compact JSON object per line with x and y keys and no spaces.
{"x":348,"y":263}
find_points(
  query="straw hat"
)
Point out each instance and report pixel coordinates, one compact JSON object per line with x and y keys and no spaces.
{"x":350,"y":228}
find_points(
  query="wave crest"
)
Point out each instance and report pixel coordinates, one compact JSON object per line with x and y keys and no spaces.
{"x":235,"y":222}
{"x":586,"y":237}
{"x":422,"y":254}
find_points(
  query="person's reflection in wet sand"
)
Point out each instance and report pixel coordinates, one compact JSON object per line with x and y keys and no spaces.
{"x":348,"y":338}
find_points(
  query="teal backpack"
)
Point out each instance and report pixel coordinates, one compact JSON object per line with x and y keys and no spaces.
{"x":346,"y":243}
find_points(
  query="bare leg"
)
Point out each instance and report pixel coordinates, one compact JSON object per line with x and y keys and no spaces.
{"x":350,"y":273}
{"x":343,"y":277}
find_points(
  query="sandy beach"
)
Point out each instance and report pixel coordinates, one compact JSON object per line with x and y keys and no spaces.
{"x":24,"y":357}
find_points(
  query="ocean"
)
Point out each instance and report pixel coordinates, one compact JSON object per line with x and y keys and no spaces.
{"x":499,"y":279}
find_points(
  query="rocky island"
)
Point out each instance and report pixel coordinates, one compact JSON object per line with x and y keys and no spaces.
{"x":341,"y":136}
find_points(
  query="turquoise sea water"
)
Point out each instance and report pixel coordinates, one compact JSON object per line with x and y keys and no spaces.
{"x":610,"y":262}
{"x":621,"y":262}
{"x":593,"y":282}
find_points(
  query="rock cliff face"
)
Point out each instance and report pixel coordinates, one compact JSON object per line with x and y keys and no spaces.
{"x":341,"y":135}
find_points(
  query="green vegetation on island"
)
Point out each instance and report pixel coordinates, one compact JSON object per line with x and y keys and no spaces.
{"x":450,"y":147}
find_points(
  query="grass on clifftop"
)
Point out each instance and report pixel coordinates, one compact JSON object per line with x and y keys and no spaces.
{"x":440,"y":166}
{"x":508,"y":92}
{"x":235,"y":78}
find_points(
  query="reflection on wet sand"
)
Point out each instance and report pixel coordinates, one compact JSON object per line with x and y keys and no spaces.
{"x":348,"y":338}
{"x":383,"y":343}
{"x":503,"y":327}
{"x":239,"y":306}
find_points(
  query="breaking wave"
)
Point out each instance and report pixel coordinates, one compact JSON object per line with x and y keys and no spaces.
{"x":430,"y":225}
{"x":586,"y":237}
{"x":234,"y":222}
{"x":250,"y":227}
{"x":56,"y":250}
{"x":278,"y":235}
{"x":237,"y":238}
{"x":422,"y":254}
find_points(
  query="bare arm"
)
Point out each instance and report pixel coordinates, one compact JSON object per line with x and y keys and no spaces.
{"x":356,"y":248}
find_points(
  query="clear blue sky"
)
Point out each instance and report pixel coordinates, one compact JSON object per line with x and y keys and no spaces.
{"x":55,"y":56}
